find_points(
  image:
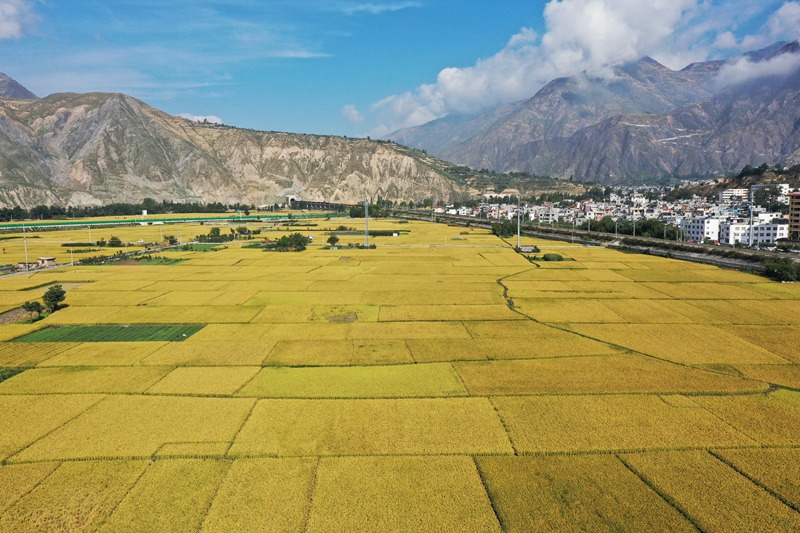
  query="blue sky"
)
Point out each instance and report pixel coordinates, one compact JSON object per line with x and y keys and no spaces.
{"x":353,"y":67}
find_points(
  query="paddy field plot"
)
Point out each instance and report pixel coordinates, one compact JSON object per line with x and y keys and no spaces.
{"x":703,"y":487}
{"x":440,"y":382}
{"x":554,"y":493}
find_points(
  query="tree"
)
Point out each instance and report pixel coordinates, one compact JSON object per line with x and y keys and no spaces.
{"x":115,"y":242}
{"x":33,"y":307}
{"x":333,"y":239}
{"x":53,"y":297}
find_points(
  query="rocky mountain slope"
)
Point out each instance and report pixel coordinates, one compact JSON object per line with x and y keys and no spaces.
{"x":644,"y":124}
{"x":9,"y":88}
{"x":88,"y":149}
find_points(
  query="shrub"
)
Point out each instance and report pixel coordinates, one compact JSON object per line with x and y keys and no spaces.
{"x":552,"y":257}
{"x":782,"y":269}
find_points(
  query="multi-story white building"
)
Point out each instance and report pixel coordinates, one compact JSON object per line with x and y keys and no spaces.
{"x":763,"y":233}
{"x":701,"y":229}
{"x":729,"y":194}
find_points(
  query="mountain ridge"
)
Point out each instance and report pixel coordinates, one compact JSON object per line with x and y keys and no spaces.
{"x":94,"y":148}
{"x":533,"y":135}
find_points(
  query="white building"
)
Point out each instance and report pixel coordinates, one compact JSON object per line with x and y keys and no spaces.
{"x":729,"y":194}
{"x":701,"y":229}
{"x":763,"y":233}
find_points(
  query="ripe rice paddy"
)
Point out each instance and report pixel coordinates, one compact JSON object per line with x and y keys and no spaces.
{"x":430,"y":384}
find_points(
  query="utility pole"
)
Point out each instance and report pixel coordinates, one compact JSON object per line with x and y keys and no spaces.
{"x":25,"y":241}
{"x":518,"y":220}
{"x":366,"y":222}
{"x":751,"y":218}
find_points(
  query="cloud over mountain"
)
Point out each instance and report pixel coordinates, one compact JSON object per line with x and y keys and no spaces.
{"x":591,"y":36}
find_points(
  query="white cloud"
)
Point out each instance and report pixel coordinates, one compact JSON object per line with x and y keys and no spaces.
{"x":581,"y":36}
{"x":374,"y":8}
{"x":744,"y":70}
{"x":352,"y":114}
{"x":211,"y":119}
{"x":785,"y":22}
{"x":16,"y":18}
{"x":588,"y":36}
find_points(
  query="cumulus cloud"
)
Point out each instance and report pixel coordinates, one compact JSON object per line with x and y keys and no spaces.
{"x":590,"y":36}
{"x":785,"y":22}
{"x":352,"y":114}
{"x":16,"y":18}
{"x":744,"y":70}
{"x":211,"y":119}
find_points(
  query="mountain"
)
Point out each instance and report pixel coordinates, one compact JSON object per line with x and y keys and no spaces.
{"x":9,"y":88}
{"x":568,"y":116}
{"x":89,"y":149}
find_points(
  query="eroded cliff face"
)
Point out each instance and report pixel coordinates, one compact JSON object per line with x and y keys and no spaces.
{"x":100,"y":148}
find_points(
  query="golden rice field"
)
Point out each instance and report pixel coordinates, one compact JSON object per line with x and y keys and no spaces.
{"x":440,"y":382}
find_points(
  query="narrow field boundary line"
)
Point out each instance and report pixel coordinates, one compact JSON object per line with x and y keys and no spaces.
{"x":505,"y":426}
{"x":246,"y":383}
{"x":312,"y":489}
{"x":410,"y":396}
{"x":495,"y":510}
{"x":244,"y":423}
{"x":231,"y":458}
{"x":662,"y":494}
{"x":754,"y":480}
{"x":125,"y":496}
{"x":222,"y":479}
{"x":554,"y":325}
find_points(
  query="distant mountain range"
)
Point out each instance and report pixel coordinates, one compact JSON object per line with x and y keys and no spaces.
{"x":90,"y":149}
{"x":646,"y":124}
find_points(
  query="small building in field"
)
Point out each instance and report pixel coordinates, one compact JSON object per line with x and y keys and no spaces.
{"x":45,"y":262}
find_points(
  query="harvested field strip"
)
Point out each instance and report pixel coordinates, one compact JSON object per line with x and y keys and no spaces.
{"x":556,"y":493}
{"x":705,"y":488}
{"x":113,"y":333}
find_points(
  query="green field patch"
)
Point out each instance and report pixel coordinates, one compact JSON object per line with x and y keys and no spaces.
{"x":113,"y":333}
{"x":6,"y":372}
